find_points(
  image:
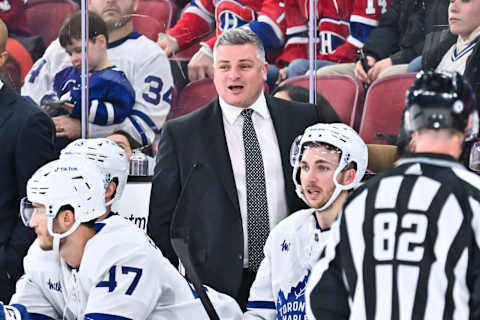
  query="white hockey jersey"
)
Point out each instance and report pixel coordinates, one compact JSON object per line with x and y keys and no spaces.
{"x":291,"y":250}
{"x":122,"y":275}
{"x":145,"y":66}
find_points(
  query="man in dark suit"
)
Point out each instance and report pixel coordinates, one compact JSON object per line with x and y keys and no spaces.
{"x":212,"y":143}
{"x":26,"y":137}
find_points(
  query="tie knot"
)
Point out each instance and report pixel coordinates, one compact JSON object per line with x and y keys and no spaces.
{"x":247,"y":113}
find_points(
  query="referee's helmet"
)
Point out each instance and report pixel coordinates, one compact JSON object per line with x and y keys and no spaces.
{"x":441,"y":100}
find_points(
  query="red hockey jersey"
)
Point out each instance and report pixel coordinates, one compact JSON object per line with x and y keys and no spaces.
{"x":203,"y":17}
{"x":343,"y":27}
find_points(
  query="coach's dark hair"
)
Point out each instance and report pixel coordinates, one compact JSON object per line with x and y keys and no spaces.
{"x":72,"y":28}
{"x":239,"y":36}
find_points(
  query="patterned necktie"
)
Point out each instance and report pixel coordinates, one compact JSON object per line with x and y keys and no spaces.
{"x":257,"y":208}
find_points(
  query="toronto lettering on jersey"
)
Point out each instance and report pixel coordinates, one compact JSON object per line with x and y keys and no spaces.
{"x":292,"y":307}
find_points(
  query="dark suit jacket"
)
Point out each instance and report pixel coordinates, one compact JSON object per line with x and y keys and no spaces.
{"x":197,"y":142}
{"x":26,"y":140}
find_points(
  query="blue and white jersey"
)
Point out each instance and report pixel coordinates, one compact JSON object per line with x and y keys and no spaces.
{"x":145,"y":66}
{"x":122,"y":275}
{"x":291,"y":250}
{"x":111,"y":96}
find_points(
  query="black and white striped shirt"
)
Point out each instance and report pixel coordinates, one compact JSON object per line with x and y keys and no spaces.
{"x":406,"y":247}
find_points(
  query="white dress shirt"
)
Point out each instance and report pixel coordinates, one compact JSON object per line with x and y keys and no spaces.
{"x":272,"y":163}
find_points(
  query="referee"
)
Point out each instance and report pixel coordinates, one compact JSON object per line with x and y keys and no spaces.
{"x":407,"y":244}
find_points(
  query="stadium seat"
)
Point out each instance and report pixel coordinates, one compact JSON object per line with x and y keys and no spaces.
{"x":154,"y":16}
{"x":195,"y":95}
{"x":384,"y":104}
{"x":45,"y":17}
{"x":344,"y":93}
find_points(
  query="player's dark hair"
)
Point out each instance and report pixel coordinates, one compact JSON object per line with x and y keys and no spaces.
{"x":72,"y":28}
{"x":133,"y":143}
{"x":301,"y":94}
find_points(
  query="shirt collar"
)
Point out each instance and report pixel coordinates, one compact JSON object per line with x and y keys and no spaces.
{"x":461,"y":44}
{"x":232,"y":113}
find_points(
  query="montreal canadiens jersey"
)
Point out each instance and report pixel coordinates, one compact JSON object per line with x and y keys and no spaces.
{"x":111,"y":96}
{"x":343,"y":27}
{"x":145,"y":66}
{"x":119,"y":276}
{"x":291,"y":250}
{"x":203,"y":17}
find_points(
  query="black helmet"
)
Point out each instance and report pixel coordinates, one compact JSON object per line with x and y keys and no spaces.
{"x":441,"y":100}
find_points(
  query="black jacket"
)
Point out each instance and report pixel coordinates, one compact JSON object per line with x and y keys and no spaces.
{"x":26,"y":137}
{"x":401,"y":31}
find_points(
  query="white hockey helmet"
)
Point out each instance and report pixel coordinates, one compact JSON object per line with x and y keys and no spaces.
{"x":340,"y":136}
{"x":62,"y":182}
{"x":110,"y":158}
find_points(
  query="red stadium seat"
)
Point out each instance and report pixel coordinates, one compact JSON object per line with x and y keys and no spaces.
{"x":154,"y":16}
{"x":194,"y":95}
{"x":384,"y":104}
{"x":344,"y":93}
{"x":45,"y":17}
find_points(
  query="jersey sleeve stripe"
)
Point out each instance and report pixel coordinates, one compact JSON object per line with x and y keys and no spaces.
{"x":110,"y":112}
{"x":147,"y":120}
{"x":261,"y":305}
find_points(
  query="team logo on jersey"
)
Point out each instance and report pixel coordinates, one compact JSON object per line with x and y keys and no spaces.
{"x":232,"y":15}
{"x":55,"y":286}
{"x":293,"y":305}
{"x":285,"y":245}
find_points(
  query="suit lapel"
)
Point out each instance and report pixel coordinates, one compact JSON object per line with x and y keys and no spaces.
{"x":218,"y":151}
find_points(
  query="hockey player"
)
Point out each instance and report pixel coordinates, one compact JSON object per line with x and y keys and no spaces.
{"x":109,"y":269}
{"x":266,"y":18}
{"x":145,"y":66}
{"x":328,"y":160}
{"x":407,"y":243}
{"x":113,"y":164}
{"x":111,"y":96}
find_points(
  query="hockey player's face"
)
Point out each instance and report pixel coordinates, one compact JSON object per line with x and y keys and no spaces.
{"x":463,"y":16}
{"x":39,"y":223}
{"x":317,"y":169}
{"x":115,"y":13}
{"x":239,"y":75}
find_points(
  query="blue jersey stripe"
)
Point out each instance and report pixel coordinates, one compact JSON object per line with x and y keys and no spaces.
{"x":104,"y":316}
{"x":261,"y":305}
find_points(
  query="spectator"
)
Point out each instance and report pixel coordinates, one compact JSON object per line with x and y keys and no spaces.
{"x":398,"y":39}
{"x":111,"y":96}
{"x":459,"y":50}
{"x":27,"y":135}
{"x":74,"y":193}
{"x":329,"y":159}
{"x":343,"y":27}
{"x":407,"y":243}
{"x":226,"y":249}
{"x":202,"y":17}
{"x":144,"y":64}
